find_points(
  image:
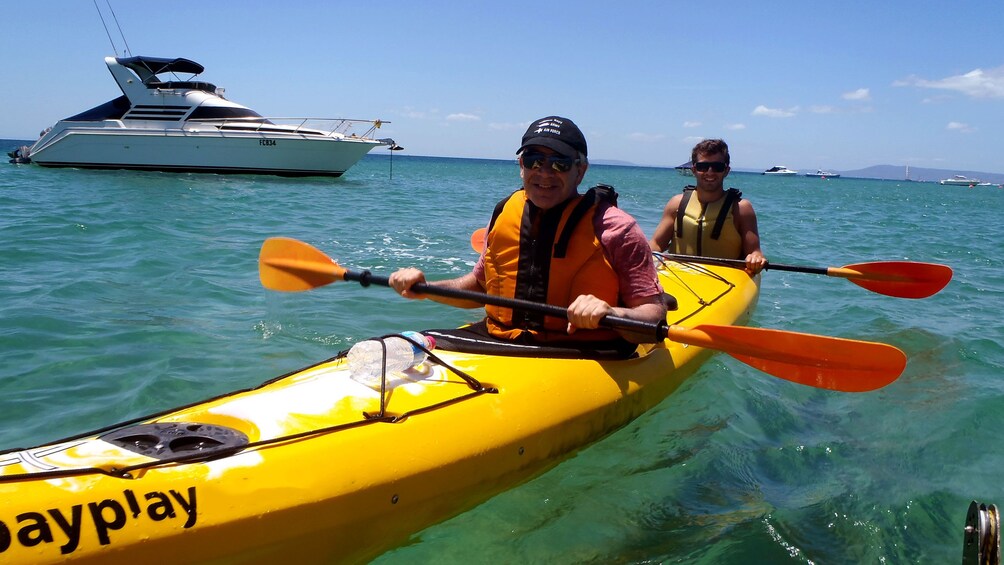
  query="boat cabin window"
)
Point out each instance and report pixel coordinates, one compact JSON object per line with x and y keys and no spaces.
{"x":111,"y":110}
{"x":223,"y":113}
{"x":184,"y":84}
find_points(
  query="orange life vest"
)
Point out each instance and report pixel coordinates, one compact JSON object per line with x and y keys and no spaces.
{"x":549,"y":256}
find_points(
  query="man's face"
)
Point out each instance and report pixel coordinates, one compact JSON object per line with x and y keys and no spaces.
{"x":545,"y":185}
{"x":710,"y":178}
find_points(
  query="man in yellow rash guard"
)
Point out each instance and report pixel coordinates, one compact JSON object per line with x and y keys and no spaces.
{"x":552,"y":162}
{"x":694,"y":228}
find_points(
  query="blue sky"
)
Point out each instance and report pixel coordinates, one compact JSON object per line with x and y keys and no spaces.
{"x":835,"y":85}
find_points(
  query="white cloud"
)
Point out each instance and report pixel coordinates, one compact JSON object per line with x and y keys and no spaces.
{"x":691,"y":124}
{"x":859,"y":94}
{"x":463,"y":118}
{"x":960,"y":127}
{"x":762,"y":110}
{"x":735,"y":127}
{"x":976,"y":83}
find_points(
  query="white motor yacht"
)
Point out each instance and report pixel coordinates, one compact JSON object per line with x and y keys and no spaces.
{"x":823,"y":174}
{"x":187,"y":125}
{"x":961,"y":180}
{"x":780,"y":170}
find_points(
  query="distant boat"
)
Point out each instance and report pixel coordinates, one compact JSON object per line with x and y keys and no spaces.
{"x":780,"y":170}
{"x":823,"y":174}
{"x":685,"y":169}
{"x":961,"y":180}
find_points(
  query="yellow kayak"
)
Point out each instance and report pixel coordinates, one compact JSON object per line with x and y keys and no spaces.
{"x":315,"y":466}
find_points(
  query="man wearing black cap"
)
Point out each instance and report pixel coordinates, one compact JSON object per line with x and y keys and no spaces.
{"x":548,"y":243}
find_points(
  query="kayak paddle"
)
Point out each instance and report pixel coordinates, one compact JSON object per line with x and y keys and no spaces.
{"x":478,"y":239}
{"x":902,"y":279}
{"x":289,"y":265}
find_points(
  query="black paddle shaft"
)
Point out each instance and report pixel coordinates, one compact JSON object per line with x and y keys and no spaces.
{"x":660,"y":331}
{"x":739,"y":263}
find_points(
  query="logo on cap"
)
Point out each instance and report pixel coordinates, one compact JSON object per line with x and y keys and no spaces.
{"x":549,"y":125}
{"x":557,"y":133}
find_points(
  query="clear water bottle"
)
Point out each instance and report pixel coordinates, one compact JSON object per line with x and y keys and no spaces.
{"x":366,"y":357}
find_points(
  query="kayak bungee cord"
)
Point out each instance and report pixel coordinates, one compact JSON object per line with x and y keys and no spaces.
{"x":198,"y":451}
{"x":704,"y":302}
{"x":471,"y":381}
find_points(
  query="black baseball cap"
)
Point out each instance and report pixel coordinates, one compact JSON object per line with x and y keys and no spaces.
{"x":555,"y":132}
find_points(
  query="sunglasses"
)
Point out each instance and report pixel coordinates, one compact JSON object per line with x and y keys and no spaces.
{"x":538,"y":160}
{"x":717,"y":166}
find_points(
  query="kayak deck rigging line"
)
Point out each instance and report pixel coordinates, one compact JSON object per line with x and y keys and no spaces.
{"x":178,"y":443}
{"x":704,"y":271}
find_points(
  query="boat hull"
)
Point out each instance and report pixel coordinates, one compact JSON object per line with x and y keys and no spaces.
{"x":345,"y":488}
{"x":179,"y":150}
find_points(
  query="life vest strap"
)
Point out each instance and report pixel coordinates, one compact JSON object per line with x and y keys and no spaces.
{"x":600,"y":192}
{"x":688,"y":191}
{"x":731,"y":197}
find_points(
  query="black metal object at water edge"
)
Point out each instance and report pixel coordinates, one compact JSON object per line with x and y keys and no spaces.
{"x":20,"y":155}
{"x":982,"y":541}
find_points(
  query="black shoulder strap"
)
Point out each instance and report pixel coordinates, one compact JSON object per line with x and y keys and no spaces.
{"x":598,"y":193}
{"x":607,"y":193}
{"x":498,"y":209}
{"x":688,"y":191}
{"x":731,"y":197}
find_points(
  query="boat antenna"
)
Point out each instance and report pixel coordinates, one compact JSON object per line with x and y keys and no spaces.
{"x":128,"y":51}
{"x":115,"y":50}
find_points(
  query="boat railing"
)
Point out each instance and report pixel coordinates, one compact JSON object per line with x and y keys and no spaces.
{"x":329,"y":127}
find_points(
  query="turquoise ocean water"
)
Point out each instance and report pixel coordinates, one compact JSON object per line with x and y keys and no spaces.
{"x":126,"y":293}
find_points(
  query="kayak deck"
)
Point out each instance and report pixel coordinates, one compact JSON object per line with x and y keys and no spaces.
{"x":316,"y":466}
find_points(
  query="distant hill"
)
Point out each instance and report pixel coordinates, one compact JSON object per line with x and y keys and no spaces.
{"x":880,"y":172}
{"x":898,"y":172}
{"x":613,"y":162}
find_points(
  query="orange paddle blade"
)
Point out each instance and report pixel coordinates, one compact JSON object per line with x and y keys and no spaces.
{"x":290,"y":265}
{"x":902,"y":279}
{"x":824,"y":362}
{"x":478,"y":239}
